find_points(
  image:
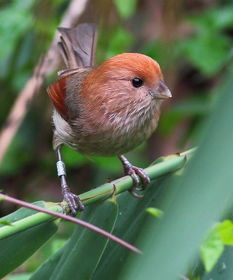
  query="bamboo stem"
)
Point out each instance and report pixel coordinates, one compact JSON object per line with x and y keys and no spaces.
{"x":164,"y":166}
{"x":45,"y":215}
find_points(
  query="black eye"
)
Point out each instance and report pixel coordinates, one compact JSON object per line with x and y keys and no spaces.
{"x":137,"y":82}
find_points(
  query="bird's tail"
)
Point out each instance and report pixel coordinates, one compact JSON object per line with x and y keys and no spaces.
{"x":77,"y":45}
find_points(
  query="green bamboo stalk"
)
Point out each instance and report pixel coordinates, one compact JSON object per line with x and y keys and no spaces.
{"x":45,"y":215}
{"x":164,"y":166}
{"x":30,"y":221}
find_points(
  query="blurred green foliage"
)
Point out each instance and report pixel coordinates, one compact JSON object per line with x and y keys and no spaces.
{"x":126,"y":8}
{"x":210,"y":47}
{"x":10,"y":29}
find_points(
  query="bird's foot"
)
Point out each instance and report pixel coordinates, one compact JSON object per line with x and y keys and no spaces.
{"x":138,"y":175}
{"x":74,"y":202}
{"x":135,"y":173}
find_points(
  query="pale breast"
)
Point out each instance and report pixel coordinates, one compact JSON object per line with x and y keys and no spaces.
{"x":117,"y":135}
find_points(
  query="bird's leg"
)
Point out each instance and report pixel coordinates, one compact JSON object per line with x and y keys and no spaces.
{"x":135,"y":172}
{"x":73,"y":200}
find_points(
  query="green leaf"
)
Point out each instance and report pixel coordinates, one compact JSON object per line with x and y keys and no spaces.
{"x":211,"y":250}
{"x":155,"y":212}
{"x":225,"y":230}
{"x":192,"y":204}
{"x":131,"y":221}
{"x":83,"y":245}
{"x":47,"y":268}
{"x":22,"y":213}
{"x":223,"y":270}
{"x":20,"y":245}
{"x":18,"y":248}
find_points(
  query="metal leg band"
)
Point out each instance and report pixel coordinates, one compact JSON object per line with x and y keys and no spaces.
{"x":61,"y":170}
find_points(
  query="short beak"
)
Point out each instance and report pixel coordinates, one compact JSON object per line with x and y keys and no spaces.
{"x":161,"y":91}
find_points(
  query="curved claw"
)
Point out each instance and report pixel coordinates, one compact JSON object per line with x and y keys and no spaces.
{"x":74,"y":203}
{"x":135,"y":194}
{"x":132,"y":173}
{"x":136,"y":174}
{"x":141,"y":173}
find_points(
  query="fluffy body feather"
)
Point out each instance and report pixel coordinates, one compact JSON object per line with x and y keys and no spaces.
{"x":100,"y":112}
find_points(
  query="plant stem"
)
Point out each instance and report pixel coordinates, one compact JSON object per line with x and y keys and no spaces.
{"x":52,"y":211}
{"x":45,"y":215}
{"x":164,"y":166}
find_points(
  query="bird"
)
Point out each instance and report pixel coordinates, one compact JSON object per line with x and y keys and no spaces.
{"x":105,"y":110}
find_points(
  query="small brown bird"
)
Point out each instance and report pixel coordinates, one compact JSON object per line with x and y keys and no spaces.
{"x":106,"y":110}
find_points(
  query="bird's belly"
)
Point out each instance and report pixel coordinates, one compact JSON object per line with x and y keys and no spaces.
{"x":114,"y":142}
{"x":106,"y":145}
{"x":106,"y":140}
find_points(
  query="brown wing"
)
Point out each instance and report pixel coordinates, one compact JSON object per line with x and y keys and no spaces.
{"x":57,"y":93}
{"x":58,"y":90}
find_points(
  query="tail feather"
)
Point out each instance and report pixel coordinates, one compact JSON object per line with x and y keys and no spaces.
{"x":78,"y":45}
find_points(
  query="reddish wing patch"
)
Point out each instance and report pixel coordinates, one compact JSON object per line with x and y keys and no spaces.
{"x":57,"y":93}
